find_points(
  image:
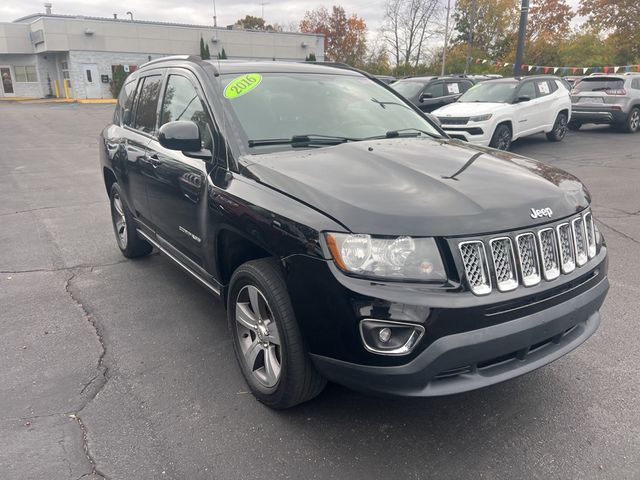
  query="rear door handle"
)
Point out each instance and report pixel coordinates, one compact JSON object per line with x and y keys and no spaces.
{"x":153,"y":159}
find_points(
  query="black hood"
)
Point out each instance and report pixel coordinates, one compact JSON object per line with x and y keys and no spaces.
{"x":420,"y":187}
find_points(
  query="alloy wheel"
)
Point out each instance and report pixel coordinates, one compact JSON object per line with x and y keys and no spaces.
{"x":120,"y":221}
{"x":504,"y":139}
{"x":258,"y":336}
{"x":634,"y":122}
{"x":561,"y":127}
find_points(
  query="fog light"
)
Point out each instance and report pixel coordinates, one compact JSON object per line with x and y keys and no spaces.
{"x":387,"y":337}
{"x":384,"y":334}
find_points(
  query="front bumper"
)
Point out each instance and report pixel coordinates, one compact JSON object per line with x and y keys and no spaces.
{"x":478,"y":133}
{"x":478,"y":358}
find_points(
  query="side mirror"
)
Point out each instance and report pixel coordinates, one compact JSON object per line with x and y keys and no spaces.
{"x":523,"y":98}
{"x":182,"y":135}
{"x":425,"y":95}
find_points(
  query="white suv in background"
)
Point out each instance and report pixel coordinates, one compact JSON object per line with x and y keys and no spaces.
{"x":496,"y":112}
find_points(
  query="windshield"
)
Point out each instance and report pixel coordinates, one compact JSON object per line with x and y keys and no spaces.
{"x":599,"y":84}
{"x":407,"y":88}
{"x":287,"y":105}
{"x":499,"y":92}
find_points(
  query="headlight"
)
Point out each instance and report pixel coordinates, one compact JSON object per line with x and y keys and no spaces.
{"x":401,"y":258}
{"x":481,"y":118}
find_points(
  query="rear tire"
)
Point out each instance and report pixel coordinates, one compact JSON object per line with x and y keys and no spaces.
{"x":559,"y":128}
{"x":632,"y":124}
{"x":130,"y":244}
{"x":266,"y":338}
{"x":501,"y":138}
{"x":574,"y":126}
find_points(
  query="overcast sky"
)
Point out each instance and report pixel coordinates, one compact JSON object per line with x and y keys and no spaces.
{"x":197,"y":11}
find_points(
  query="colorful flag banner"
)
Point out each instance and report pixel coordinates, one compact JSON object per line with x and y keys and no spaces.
{"x":562,"y":70}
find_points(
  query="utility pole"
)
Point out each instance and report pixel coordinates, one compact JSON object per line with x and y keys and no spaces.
{"x":472,"y":26}
{"x":446,"y":38}
{"x":215,"y":16}
{"x":522,"y":32}
{"x":262,"y":4}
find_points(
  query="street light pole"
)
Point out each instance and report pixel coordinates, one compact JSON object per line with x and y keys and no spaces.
{"x":522,"y":32}
{"x":446,"y":38}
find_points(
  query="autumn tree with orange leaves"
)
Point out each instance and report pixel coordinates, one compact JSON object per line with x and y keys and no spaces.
{"x":345,"y":36}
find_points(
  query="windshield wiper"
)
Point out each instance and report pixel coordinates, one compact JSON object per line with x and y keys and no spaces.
{"x":404,"y":132}
{"x":303,"y":140}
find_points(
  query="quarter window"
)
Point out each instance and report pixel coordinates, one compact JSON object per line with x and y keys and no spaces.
{"x":125,"y":102}
{"x":26,"y":73}
{"x":181,"y":102}
{"x":635,"y":84}
{"x":147,"y":104}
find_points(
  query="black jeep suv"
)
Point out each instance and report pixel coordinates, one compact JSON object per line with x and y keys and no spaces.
{"x":349,"y":238}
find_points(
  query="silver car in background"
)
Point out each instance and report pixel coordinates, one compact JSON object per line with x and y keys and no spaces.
{"x":607,"y":99}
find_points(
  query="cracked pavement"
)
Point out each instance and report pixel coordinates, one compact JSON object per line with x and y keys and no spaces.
{"x":121,"y":369}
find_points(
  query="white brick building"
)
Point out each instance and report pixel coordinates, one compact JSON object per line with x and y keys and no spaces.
{"x":40,"y":50}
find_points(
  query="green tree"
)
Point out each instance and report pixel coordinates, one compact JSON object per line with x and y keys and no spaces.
{"x":118,"y":76}
{"x":222,"y":55}
{"x":204,"y":50}
{"x":251,"y":23}
{"x":621,"y":20}
{"x":493,"y":24}
{"x":310,"y":58}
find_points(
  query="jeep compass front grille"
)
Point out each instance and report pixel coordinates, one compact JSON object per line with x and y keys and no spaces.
{"x":529,"y":256}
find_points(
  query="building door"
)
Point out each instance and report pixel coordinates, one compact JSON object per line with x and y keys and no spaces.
{"x":7,"y":82}
{"x":91,"y":80}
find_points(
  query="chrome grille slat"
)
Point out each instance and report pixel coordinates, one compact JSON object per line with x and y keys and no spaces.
{"x":579,"y":241}
{"x":474,"y":258}
{"x":591,"y":234}
{"x":528,"y":259}
{"x":549,"y":254}
{"x":504,"y":264}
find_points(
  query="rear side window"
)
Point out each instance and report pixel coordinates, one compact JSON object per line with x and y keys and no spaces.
{"x":635,"y":83}
{"x":527,"y":90}
{"x":435,"y":89}
{"x":181,"y":102}
{"x":147,"y":104}
{"x":599,"y":84}
{"x":125,"y":102}
{"x":454,"y":88}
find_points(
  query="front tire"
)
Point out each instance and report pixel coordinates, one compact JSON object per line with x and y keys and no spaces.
{"x":130,"y":244}
{"x":266,"y":337}
{"x":632,"y":124}
{"x":501,"y":138}
{"x":559,"y":128}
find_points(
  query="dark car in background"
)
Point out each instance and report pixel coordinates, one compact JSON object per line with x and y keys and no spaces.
{"x":607,"y":99}
{"x":431,"y":93}
{"x":347,"y":236}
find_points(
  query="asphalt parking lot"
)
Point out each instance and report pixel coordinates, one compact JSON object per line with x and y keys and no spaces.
{"x":125,"y":370}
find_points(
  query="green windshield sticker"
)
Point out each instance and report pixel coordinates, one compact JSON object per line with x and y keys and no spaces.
{"x":242,"y":84}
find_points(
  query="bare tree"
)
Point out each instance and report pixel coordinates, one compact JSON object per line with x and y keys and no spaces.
{"x":409,"y":24}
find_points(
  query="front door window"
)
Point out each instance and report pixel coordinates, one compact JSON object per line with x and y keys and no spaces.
{"x":7,"y":80}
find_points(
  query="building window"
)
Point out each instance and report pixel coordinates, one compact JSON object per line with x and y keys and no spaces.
{"x":25,"y":73}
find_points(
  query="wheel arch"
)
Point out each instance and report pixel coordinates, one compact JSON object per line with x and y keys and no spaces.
{"x":109,"y":179}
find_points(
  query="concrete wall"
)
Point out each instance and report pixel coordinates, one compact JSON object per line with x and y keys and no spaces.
{"x":103,"y":60}
{"x":14,"y":38}
{"x":66,"y":34}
